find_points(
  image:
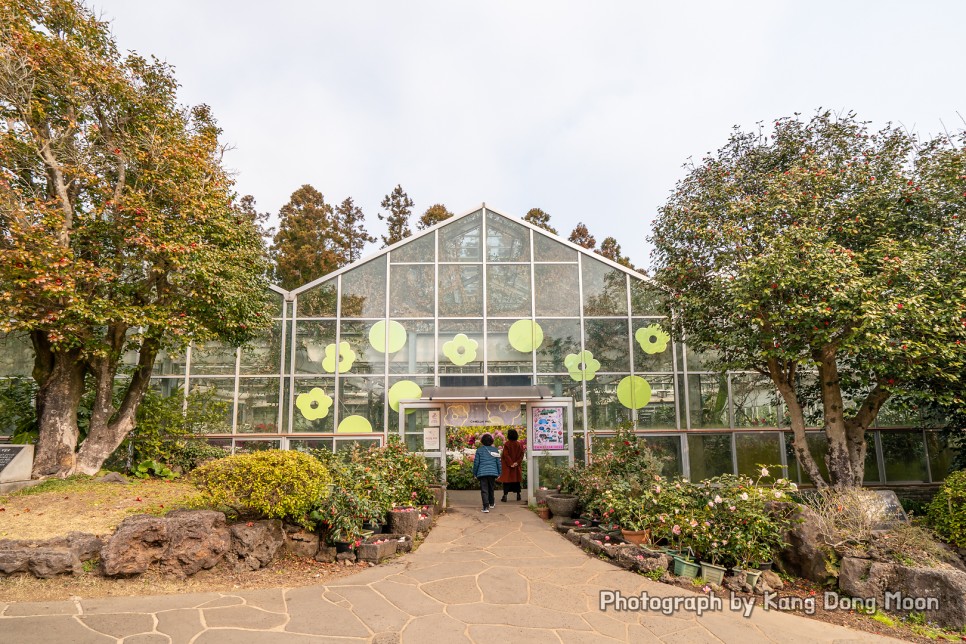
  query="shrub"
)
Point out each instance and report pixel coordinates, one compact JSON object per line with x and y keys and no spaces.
{"x":194,"y":453}
{"x":459,"y":474}
{"x":947,"y":512}
{"x":847,"y":517}
{"x":273,"y":484}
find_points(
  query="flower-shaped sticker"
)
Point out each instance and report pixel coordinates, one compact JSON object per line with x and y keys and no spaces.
{"x":582,"y":366}
{"x":652,"y":338}
{"x":461,"y":349}
{"x":314,"y":404}
{"x":346,"y":357}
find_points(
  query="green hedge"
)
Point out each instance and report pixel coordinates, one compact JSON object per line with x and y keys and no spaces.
{"x":947,"y":512}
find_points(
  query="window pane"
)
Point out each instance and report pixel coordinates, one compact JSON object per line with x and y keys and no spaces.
{"x":654,"y":335}
{"x":411,"y":294}
{"x":708,"y":399}
{"x":646,"y":299}
{"x":560,"y":338}
{"x":667,"y":449}
{"x":17,"y":355}
{"x":258,"y":405}
{"x":247,"y":446}
{"x":709,"y":455}
{"x":222,"y":395}
{"x":940,"y":456}
{"x":212,"y":358}
{"x":817,"y":445}
{"x":506,"y":241}
{"x":565,"y":386}
{"x":546,"y":249}
{"x":264,"y":353}
{"x":603,"y":408}
{"x":311,"y":340}
{"x":468,"y":352}
{"x":460,"y":291}
{"x":364,"y":290}
{"x":459,"y":241}
{"x":422,"y":381}
{"x":418,"y":250}
{"x":501,"y":356}
{"x":755,"y":401}
{"x":558,"y":291}
{"x":701,"y":360}
{"x":904,"y":454}
{"x":367,"y":359}
{"x":609,"y":342}
{"x":508,"y":291}
{"x":319,"y":302}
{"x":659,"y":412}
{"x":169,"y":363}
{"x":315,"y":404}
{"x":306,"y":444}
{"x":417,"y":355}
{"x":758,"y":449}
{"x":363,"y":397}
{"x":605,"y":288}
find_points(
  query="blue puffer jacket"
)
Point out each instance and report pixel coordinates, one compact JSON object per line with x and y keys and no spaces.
{"x":487,"y":462}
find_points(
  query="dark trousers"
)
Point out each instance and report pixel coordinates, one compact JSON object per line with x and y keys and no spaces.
{"x":486,"y":490}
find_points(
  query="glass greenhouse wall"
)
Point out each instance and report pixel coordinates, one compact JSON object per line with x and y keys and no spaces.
{"x":487,"y":299}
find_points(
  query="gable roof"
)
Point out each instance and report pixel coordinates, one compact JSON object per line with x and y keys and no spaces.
{"x":486,"y":210}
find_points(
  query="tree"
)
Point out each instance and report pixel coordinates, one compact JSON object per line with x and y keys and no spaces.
{"x":610,"y":249}
{"x":117,"y":222}
{"x":352,"y":231}
{"x":308,"y":243}
{"x":540,"y":219}
{"x":399,"y":207}
{"x":433,"y":215}
{"x":582,"y":237}
{"x":830,"y":259}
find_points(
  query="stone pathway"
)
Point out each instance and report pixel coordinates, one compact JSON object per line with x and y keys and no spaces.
{"x":498,"y":577}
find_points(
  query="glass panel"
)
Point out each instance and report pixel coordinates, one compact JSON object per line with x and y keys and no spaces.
{"x":546,"y":249}
{"x":349,"y":444}
{"x":904,"y":454}
{"x":459,"y":241}
{"x":659,"y":412}
{"x":667,"y":449}
{"x":212,"y":359}
{"x":422,"y":381}
{"x":818,"y":445}
{"x":363,"y":397}
{"x":565,"y":386}
{"x":17,"y":410}
{"x":708,"y":398}
{"x":506,"y":241}
{"x":364,"y":290}
{"x":605,"y":288}
{"x":609,"y":342}
{"x":313,"y":405}
{"x":415,"y":422}
{"x":466,"y":352}
{"x":551,"y":470}
{"x":701,"y":360}
{"x":460,"y":291}
{"x":754,"y":450}
{"x":709,"y":455}
{"x":169,"y":363}
{"x":167,"y":387}
{"x":646,"y":299}
{"x":222,"y":391}
{"x":277,"y":300}
{"x":305,"y":444}
{"x":603,"y":408}
{"x":898,"y":413}
{"x":367,"y":359}
{"x":264,"y":353}
{"x":418,"y":250}
{"x":652,"y":334}
{"x":500,"y":355}
{"x":247,"y":446}
{"x":417,"y":355}
{"x":560,"y":338}
{"x":558,"y":292}
{"x":411,"y":294}
{"x":940,"y":456}
{"x":311,"y":339}
{"x":258,"y":405}
{"x":318,"y":302}
{"x":508,"y":291}
{"x":755,"y":401}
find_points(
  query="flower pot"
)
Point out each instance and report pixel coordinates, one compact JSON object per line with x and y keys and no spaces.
{"x":425,"y":523}
{"x":404,"y":542}
{"x":544,"y":513}
{"x":686,"y":568}
{"x":439,"y":497}
{"x":562,"y":505}
{"x":765,"y":565}
{"x":343,"y":546}
{"x":404,"y":521}
{"x":751,"y":577}
{"x":711,"y":573}
{"x":636,"y":536}
{"x":377,"y":548}
{"x":541,"y":495}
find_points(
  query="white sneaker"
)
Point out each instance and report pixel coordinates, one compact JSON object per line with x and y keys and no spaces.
{"x":486,"y":509}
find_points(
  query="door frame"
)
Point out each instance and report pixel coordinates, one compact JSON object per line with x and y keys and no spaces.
{"x":533,"y":456}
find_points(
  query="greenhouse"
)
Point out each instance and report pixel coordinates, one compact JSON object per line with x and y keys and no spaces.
{"x":487,"y":321}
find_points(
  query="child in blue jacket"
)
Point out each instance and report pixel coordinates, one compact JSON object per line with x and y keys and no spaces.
{"x":486,"y":467}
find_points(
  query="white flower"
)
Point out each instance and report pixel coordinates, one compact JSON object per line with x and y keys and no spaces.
{"x":764,"y":471}
{"x":778,"y":494}
{"x":710,"y":504}
{"x":744,"y":496}
{"x":794,"y":486}
{"x":657,"y":489}
{"x":717,"y":499}
{"x":731,"y":507}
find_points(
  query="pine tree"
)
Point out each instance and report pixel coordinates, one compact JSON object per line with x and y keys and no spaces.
{"x":610,"y":249}
{"x":539,"y":219}
{"x":399,"y":206}
{"x":433,"y":215}
{"x":352,"y":231}
{"x":308,"y":243}
{"x":582,"y":237}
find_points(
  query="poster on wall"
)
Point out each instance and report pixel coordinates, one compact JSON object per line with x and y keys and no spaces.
{"x":431,"y":439}
{"x":434,"y":417}
{"x":548,"y":428}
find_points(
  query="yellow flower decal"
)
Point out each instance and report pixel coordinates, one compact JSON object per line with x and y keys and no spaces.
{"x":314,"y":404}
{"x":346,"y":357}
{"x":461,"y":349}
{"x":652,"y":338}
{"x":582,"y":366}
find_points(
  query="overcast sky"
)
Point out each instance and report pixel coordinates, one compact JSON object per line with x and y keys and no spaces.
{"x":585,"y":109}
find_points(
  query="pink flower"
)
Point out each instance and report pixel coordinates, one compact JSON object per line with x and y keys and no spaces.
{"x":676,"y":529}
{"x":693,"y":523}
{"x":731,"y":507}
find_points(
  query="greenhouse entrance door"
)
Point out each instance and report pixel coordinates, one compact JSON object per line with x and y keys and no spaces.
{"x":423,"y":431}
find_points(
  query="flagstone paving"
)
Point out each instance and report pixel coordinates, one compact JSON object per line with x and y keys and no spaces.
{"x":498,"y":577}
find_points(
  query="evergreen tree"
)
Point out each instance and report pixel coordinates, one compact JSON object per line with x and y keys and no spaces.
{"x":399,"y":206}
{"x":582,"y":237}
{"x":352,"y":231}
{"x":309,"y":242}
{"x":610,"y":249}
{"x":539,"y":219}
{"x":433,"y":215}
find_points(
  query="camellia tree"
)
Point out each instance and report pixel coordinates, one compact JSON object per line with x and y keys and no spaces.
{"x":118,"y":226}
{"x":829,"y":258}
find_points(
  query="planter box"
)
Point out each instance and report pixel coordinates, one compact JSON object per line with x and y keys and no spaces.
{"x":637,"y":559}
{"x":686,"y":568}
{"x":562,"y":505}
{"x":574,"y":534}
{"x":712,"y":573}
{"x":601,"y":543}
{"x":404,"y":542}
{"x":404,"y":521}
{"x":377,"y":548}
{"x":425,"y":523}
{"x":439,"y":497}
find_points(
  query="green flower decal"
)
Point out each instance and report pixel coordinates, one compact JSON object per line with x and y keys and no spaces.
{"x":461,"y":350}
{"x":525,"y":336}
{"x":582,"y":366}
{"x":354,"y":425}
{"x":402,"y":390}
{"x":387,"y":338}
{"x":652,"y":338}
{"x":314,"y":404}
{"x":634,"y":392}
{"x":346,"y":357}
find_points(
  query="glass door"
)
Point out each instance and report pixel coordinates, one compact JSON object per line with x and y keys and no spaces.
{"x":422,"y":431}
{"x":550,"y":443}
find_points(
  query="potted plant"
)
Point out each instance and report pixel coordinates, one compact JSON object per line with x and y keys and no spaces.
{"x":340,"y":516}
{"x":683,"y":531}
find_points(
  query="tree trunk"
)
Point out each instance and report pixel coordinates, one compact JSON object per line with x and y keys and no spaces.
{"x":61,"y":385}
{"x":846,"y":446}
{"x":784,"y":378}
